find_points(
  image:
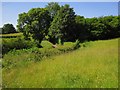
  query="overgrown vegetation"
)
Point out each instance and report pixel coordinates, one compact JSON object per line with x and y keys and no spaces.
{"x":92,"y":66}
{"x":34,"y":54}
{"x":15,"y":43}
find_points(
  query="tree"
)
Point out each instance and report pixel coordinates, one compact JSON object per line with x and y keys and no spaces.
{"x":97,"y":31}
{"x":23,"y":22}
{"x":53,"y":8}
{"x":81,"y":32}
{"x":35,"y":23}
{"x":112,"y":25}
{"x":113,"y":29}
{"x":8,"y":28}
{"x":61,"y":28}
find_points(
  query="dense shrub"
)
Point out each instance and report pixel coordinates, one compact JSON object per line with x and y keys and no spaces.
{"x":35,"y":54}
{"x":15,"y":43}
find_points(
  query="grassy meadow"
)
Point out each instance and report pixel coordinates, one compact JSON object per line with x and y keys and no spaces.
{"x":93,"y":65}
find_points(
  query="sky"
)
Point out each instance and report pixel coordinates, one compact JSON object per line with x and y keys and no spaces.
{"x":10,"y":10}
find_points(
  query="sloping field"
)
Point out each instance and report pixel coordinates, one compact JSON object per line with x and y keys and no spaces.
{"x":94,"y":65}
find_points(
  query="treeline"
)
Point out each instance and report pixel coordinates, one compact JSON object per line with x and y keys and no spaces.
{"x":59,"y":24}
{"x":106,"y":27}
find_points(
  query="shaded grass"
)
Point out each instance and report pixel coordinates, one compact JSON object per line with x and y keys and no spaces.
{"x":92,"y":66}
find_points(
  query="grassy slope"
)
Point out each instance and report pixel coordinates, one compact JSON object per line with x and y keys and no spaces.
{"x":93,"y":66}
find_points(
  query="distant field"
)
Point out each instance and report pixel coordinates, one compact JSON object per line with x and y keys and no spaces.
{"x":10,"y":35}
{"x":94,"y":65}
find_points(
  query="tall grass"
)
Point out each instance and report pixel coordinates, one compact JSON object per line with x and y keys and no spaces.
{"x":92,"y":66}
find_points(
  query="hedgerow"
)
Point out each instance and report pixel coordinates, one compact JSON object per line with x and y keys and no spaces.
{"x":34,"y":54}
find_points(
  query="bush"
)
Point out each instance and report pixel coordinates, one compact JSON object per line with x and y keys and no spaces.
{"x":15,"y":43}
{"x":34,"y":54}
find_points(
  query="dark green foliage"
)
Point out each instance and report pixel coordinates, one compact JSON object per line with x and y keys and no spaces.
{"x":7,"y":28}
{"x":15,"y":43}
{"x":111,"y":24}
{"x":35,"y":23}
{"x":80,"y":30}
{"x":60,"y":24}
{"x":101,"y":28}
{"x":61,"y":27}
{"x":97,"y":30}
{"x":53,"y":8}
{"x":9,"y":36}
{"x":0,"y":30}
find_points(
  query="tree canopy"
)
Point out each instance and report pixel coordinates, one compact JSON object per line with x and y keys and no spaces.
{"x":53,"y":8}
{"x":60,"y":24}
{"x":35,"y":23}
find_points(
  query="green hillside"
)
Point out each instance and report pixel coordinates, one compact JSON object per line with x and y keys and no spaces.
{"x":94,"y":65}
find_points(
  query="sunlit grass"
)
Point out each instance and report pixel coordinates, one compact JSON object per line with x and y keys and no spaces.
{"x":93,"y":66}
{"x":12,"y":34}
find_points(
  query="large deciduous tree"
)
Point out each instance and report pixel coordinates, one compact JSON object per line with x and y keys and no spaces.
{"x":23,"y":22}
{"x":35,"y":23}
{"x":53,"y":8}
{"x":61,"y":28}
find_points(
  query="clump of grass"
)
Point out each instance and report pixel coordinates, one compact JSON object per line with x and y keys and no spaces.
{"x":46,"y":44}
